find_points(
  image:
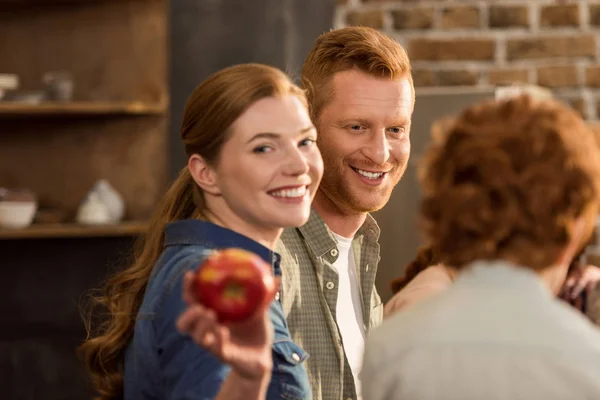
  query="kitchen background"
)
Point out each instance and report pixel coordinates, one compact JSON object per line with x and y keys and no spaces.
{"x":91,"y":94}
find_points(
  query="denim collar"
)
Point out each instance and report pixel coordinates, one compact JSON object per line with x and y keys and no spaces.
{"x":204,"y":233}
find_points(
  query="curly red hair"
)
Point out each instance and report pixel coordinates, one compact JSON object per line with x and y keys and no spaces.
{"x":507,"y":180}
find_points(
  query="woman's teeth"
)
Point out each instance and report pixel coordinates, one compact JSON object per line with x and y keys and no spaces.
{"x":292,"y":193}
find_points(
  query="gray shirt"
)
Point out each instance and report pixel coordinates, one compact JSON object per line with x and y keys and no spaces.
{"x":497,"y":334}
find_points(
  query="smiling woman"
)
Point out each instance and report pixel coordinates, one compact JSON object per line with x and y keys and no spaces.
{"x":253,"y":169}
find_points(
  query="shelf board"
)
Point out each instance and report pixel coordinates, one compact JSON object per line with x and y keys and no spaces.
{"x":82,"y":108}
{"x":41,"y":231}
{"x":52,"y":2}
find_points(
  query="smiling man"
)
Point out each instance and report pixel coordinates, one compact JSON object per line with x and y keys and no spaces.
{"x":361,"y":99}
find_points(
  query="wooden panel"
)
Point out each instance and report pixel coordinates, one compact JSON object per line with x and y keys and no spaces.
{"x":115,"y":50}
{"x":61,"y":162}
{"x":5,"y":3}
{"x":59,"y":109}
{"x":40,"y":231}
{"x":42,"y":285}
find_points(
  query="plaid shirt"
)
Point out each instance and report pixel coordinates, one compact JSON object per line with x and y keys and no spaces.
{"x":310,"y":289}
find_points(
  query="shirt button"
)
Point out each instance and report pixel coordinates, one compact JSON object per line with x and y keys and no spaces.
{"x":333,"y":252}
{"x":330,"y":285}
{"x":295,"y":357}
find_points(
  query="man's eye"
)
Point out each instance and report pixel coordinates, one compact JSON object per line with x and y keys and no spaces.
{"x":397,"y":130}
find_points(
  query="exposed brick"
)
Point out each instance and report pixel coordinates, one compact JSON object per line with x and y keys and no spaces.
{"x":559,"y":15}
{"x":423,"y":77}
{"x":582,"y":45}
{"x":451,"y":49}
{"x":592,"y":76}
{"x":508,"y":16}
{"x":457,"y":77}
{"x":460,"y":17}
{"x":413,"y":18}
{"x":507,"y":76}
{"x":594,"y":14}
{"x":373,"y":18}
{"x":558,"y":76}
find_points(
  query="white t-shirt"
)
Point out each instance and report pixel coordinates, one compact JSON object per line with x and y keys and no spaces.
{"x":349,"y":308}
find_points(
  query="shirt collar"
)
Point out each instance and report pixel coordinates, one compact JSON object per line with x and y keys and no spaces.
{"x":320,"y":240}
{"x":198,"y":232}
{"x":502,"y":275}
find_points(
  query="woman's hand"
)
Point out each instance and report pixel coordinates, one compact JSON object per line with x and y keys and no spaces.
{"x":245,"y":346}
{"x":580,"y":280}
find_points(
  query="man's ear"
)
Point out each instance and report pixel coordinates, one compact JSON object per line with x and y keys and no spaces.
{"x":204,"y":175}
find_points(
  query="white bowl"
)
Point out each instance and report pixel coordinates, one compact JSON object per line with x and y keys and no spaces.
{"x":17,"y":214}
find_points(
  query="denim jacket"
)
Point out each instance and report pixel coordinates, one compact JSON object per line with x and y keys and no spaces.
{"x":160,"y":363}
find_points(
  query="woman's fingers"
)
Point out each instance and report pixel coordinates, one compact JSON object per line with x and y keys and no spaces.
{"x":188,"y":288}
{"x":205,"y":323}
{"x":196,"y":320}
{"x":578,"y":288}
{"x":187,"y":320}
{"x":570,"y":281}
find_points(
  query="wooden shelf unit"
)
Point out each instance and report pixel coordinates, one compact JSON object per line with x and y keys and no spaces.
{"x":46,"y":231}
{"x":116,"y":126}
{"x":80,"y":108}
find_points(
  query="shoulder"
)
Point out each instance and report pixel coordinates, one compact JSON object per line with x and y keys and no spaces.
{"x":290,"y":243}
{"x":175,"y":262}
{"x":289,"y":237}
{"x":426,"y":284}
{"x":167,"y":275}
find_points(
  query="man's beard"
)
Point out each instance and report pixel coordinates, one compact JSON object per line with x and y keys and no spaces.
{"x":339,"y":191}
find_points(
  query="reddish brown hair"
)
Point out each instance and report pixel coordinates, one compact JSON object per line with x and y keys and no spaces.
{"x":363,"y":48}
{"x":507,"y":180}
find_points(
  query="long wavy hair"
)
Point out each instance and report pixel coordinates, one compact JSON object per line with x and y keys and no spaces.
{"x":211,"y":110}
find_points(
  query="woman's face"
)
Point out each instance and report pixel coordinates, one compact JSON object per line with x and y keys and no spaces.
{"x":270,"y":167}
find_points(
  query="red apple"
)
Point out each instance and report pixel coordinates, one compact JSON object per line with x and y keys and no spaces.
{"x":234,"y":283}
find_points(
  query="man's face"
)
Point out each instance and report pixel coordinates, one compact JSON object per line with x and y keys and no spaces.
{"x":364,"y":138}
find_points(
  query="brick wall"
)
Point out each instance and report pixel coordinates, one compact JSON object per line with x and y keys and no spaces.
{"x":497,"y":42}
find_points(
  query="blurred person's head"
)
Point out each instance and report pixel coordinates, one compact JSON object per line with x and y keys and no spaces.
{"x":253,"y":167}
{"x":361,"y":97}
{"x":515,"y":180}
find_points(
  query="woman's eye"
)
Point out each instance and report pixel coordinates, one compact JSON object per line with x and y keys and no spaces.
{"x":262,"y":149}
{"x":307,"y":142}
